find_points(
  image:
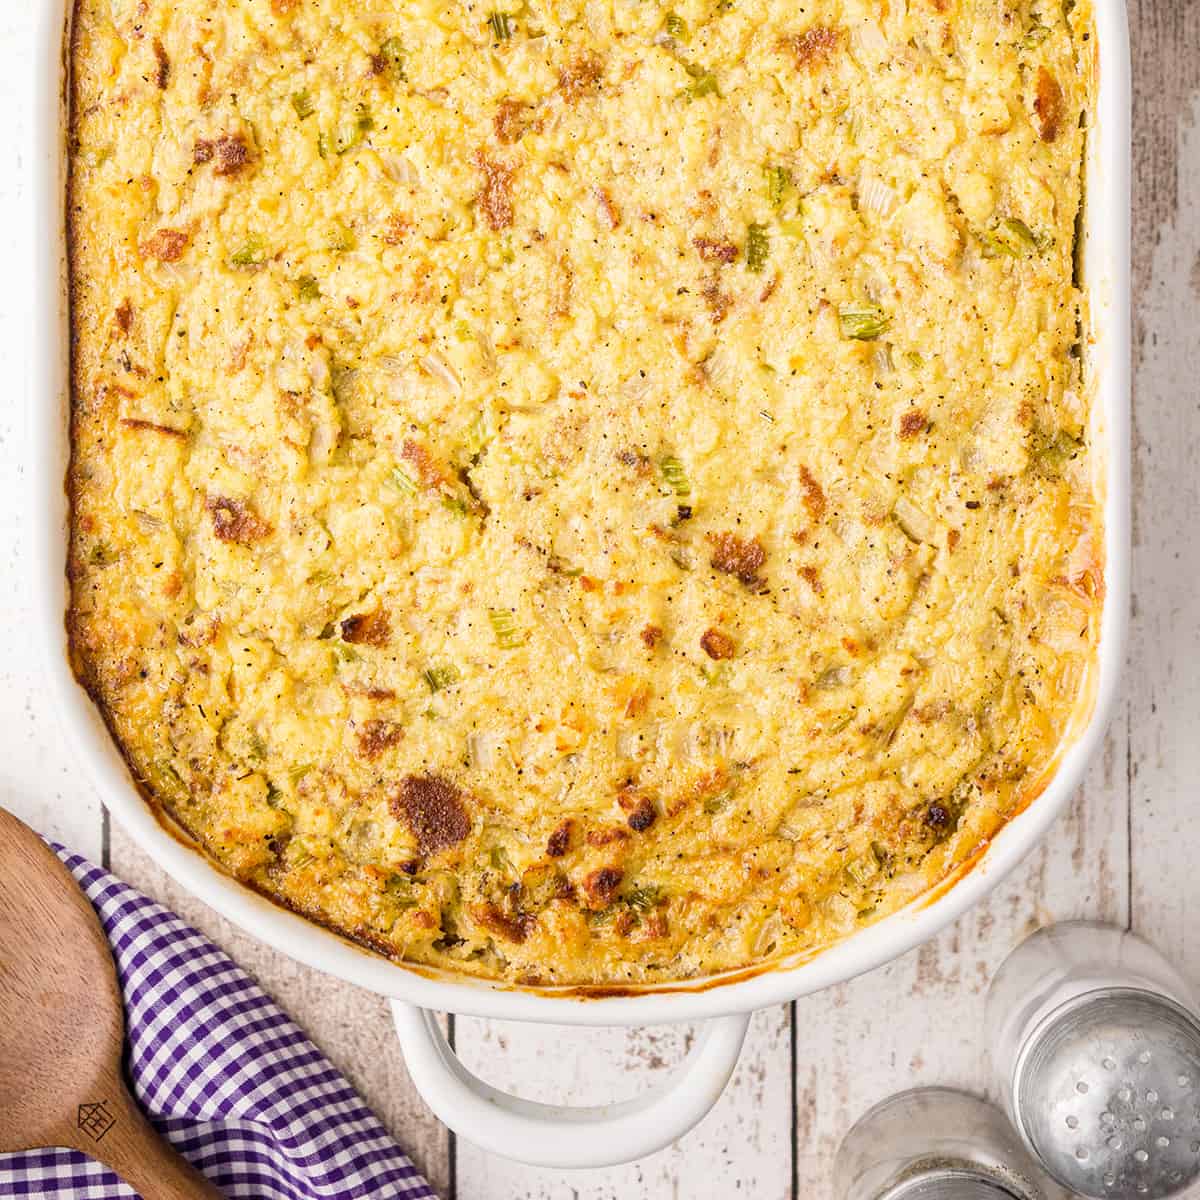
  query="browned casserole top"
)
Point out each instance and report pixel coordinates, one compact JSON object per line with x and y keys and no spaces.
{"x":583,"y":492}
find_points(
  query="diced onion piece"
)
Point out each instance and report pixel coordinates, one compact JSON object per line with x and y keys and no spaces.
{"x":635,"y":743}
{"x":834,"y":677}
{"x":401,"y":169}
{"x":915,"y":524}
{"x":877,"y":196}
{"x":870,"y":38}
{"x":434,"y":364}
{"x":482,"y":747}
{"x":319,"y":372}
{"x":768,"y":935}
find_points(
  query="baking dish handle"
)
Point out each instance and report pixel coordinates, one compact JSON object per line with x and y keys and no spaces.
{"x":551,"y":1135}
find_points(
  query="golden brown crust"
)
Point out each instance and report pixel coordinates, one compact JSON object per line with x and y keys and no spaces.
{"x":737,"y":556}
{"x":433,"y":809}
{"x":814,"y":47}
{"x":406,"y":616}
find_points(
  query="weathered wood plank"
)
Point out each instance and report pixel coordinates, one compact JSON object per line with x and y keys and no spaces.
{"x":919,"y":1020}
{"x":1165,"y":47}
{"x":1165,"y":683}
{"x":351,"y":1026}
{"x":743,"y":1147}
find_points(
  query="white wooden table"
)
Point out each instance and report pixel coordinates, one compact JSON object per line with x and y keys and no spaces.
{"x":1128,"y":852}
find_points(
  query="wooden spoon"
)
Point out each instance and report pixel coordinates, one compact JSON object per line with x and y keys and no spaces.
{"x":62,"y":1028}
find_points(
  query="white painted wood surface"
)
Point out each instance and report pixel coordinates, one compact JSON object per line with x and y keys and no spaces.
{"x":1129,"y":851}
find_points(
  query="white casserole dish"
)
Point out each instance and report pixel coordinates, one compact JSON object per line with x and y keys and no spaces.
{"x":503,"y":1124}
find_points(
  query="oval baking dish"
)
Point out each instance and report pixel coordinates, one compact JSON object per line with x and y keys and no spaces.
{"x":500,"y":1123}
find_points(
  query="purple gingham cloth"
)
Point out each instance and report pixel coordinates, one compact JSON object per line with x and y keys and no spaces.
{"x":223,"y":1072}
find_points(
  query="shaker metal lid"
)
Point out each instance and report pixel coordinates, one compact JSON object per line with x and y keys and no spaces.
{"x":1107,"y":1093}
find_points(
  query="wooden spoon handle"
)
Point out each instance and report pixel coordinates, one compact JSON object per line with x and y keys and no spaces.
{"x":130,"y":1145}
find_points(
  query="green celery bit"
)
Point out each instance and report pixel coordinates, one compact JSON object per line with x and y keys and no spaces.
{"x":251,"y":253}
{"x":643,"y":897}
{"x":500,"y":861}
{"x":714,"y":804}
{"x":308,"y":287}
{"x":1052,"y":451}
{"x":674,"y":474}
{"x":345,"y":653}
{"x":1011,"y":237}
{"x":704,"y":83}
{"x":675,"y":27}
{"x":779,"y":179}
{"x":864,"y":322}
{"x":681,"y":556}
{"x":165,"y":767}
{"x":341,"y":239}
{"x":440,"y":677}
{"x":303,"y":103}
{"x":883,"y":857}
{"x":1035,"y":37}
{"x":404,"y":481}
{"x":96,"y":156}
{"x":456,"y":505}
{"x":501,"y":23}
{"x":863,"y":870}
{"x":479,"y":435}
{"x":392,"y":53}
{"x":299,"y":772}
{"x":758,"y":247}
{"x":504,"y":626}
{"x":349,"y":134}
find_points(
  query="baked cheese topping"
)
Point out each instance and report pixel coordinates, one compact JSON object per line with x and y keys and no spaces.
{"x":583,"y":493}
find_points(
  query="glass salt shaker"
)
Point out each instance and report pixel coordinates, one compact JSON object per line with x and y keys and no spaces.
{"x":937,"y":1144}
{"x":1095,"y":1050}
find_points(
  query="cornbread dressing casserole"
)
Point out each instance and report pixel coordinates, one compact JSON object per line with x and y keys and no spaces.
{"x":586,"y":492}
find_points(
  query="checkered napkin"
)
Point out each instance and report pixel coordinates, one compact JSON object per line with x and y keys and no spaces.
{"x":231,"y":1081}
